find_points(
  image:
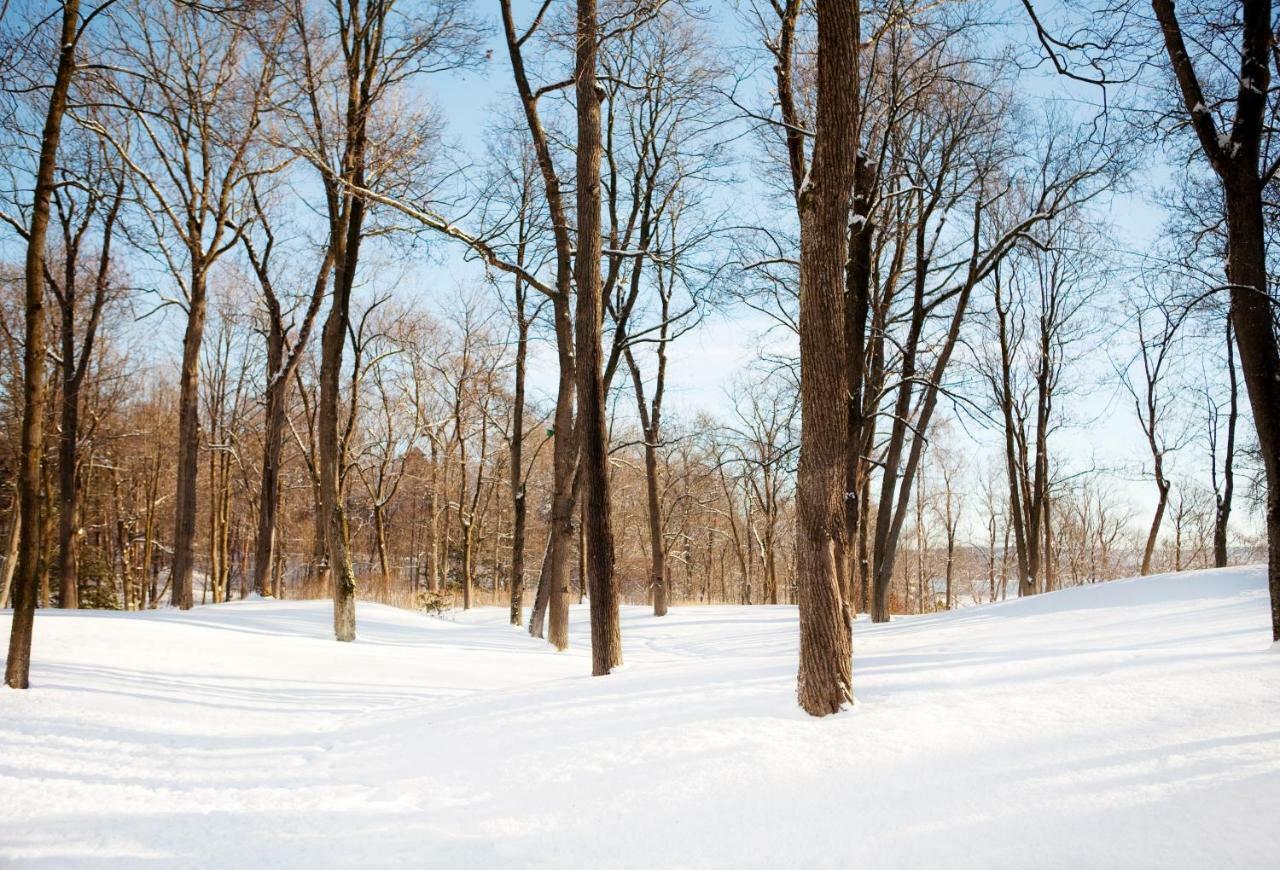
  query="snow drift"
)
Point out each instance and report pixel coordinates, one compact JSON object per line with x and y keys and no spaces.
{"x":1131,"y":724}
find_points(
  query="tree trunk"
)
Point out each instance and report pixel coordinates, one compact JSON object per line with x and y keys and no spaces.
{"x":825,"y":680}
{"x":553,"y":581}
{"x":68,"y":482}
{"x":1149,"y":550}
{"x":657,"y":546}
{"x":468,"y":566}
{"x":1254,"y":322}
{"x":1222,"y":512}
{"x":1235,"y":157}
{"x":857,"y":308}
{"x":606,"y":640}
{"x":18,"y":664}
{"x":518,"y":506}
{"x":11,"y":552}
{"x":184,"y":506}
{"x":272,"y":447}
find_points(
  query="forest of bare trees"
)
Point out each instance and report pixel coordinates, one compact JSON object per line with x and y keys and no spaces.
{"x":271,"y":324}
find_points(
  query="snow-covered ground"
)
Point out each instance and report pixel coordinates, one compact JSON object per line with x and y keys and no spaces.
{"x":1133,"y":724}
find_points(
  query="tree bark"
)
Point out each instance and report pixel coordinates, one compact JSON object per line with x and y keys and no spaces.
{"x":1235,"y":157}
{"x":825,"y":680}
{"x":18,"y":664}
{"x":606,"y":640}
{"x":184,"y":507}
{"x":1222,"y":512}
{"x":519,"y":510}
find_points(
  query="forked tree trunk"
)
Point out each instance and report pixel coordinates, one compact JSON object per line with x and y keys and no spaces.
{"x":551,"y":604}
{"x":606,"y":639}
{"x":18,"y":663}
{"x":825,"y":680}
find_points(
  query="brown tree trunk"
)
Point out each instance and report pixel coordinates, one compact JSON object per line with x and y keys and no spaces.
{"x":1235,"y":157}
{"x":553,"y":582}
{"x":272,"y":447}
{"x":657,"y":546}
{"x":68,"y":482}
{"x":1222,"y":512}
{"x":18,"y":663}
{"x":825,"y":680}
{"x":188,"y":448}
{"x":857,"y":308}
{"x":11,"y":552}
{"x":519,"y":510}
{"x":468,"y":565}
{"x":1254,"y":321}
{"x":606,"y":640}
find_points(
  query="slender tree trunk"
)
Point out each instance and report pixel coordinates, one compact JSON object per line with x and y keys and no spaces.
{"x":553,"y":581}
{"x":468,"y":566}
{"x":184,"y":506}
{"x":272,"y":447}
{"x":11,"y":552}
{"x":606,"y":639}
{"x":1222,"y":514}
{"x":657,"y":546}
{"x":518,"y":507}
{"x":857,"y":309}
{"x":68,"y":482}
{"x":825,"y":680}
{"x":380,"y":539}
{"x":1148,"y":551}
{"x":18,"y":663}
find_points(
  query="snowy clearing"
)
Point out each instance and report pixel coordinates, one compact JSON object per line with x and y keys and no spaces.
{"x":1131,"y":724}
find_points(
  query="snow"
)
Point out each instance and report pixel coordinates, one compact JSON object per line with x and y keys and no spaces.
{"x":1132,"y":724}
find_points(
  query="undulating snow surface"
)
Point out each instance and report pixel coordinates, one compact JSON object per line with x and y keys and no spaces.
{"x":1132,"y":724}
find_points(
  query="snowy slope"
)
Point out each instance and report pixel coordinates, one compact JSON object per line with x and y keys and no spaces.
{"x":1133,"y":724}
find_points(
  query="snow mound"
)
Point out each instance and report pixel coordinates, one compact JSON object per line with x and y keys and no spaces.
{"x":1131,"y":724}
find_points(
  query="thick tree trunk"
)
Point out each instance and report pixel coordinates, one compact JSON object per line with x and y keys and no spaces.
{"x":334,"y":512}
{"x":346,"y":241}
{"x":825,"y":680}
{"x":18,"y":663}
{"x":606,"y":640}
{"x":1254,"y":321}
{"x":1235,"y":157}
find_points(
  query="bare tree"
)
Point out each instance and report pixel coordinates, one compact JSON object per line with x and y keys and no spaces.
{"x":18,"y":663}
